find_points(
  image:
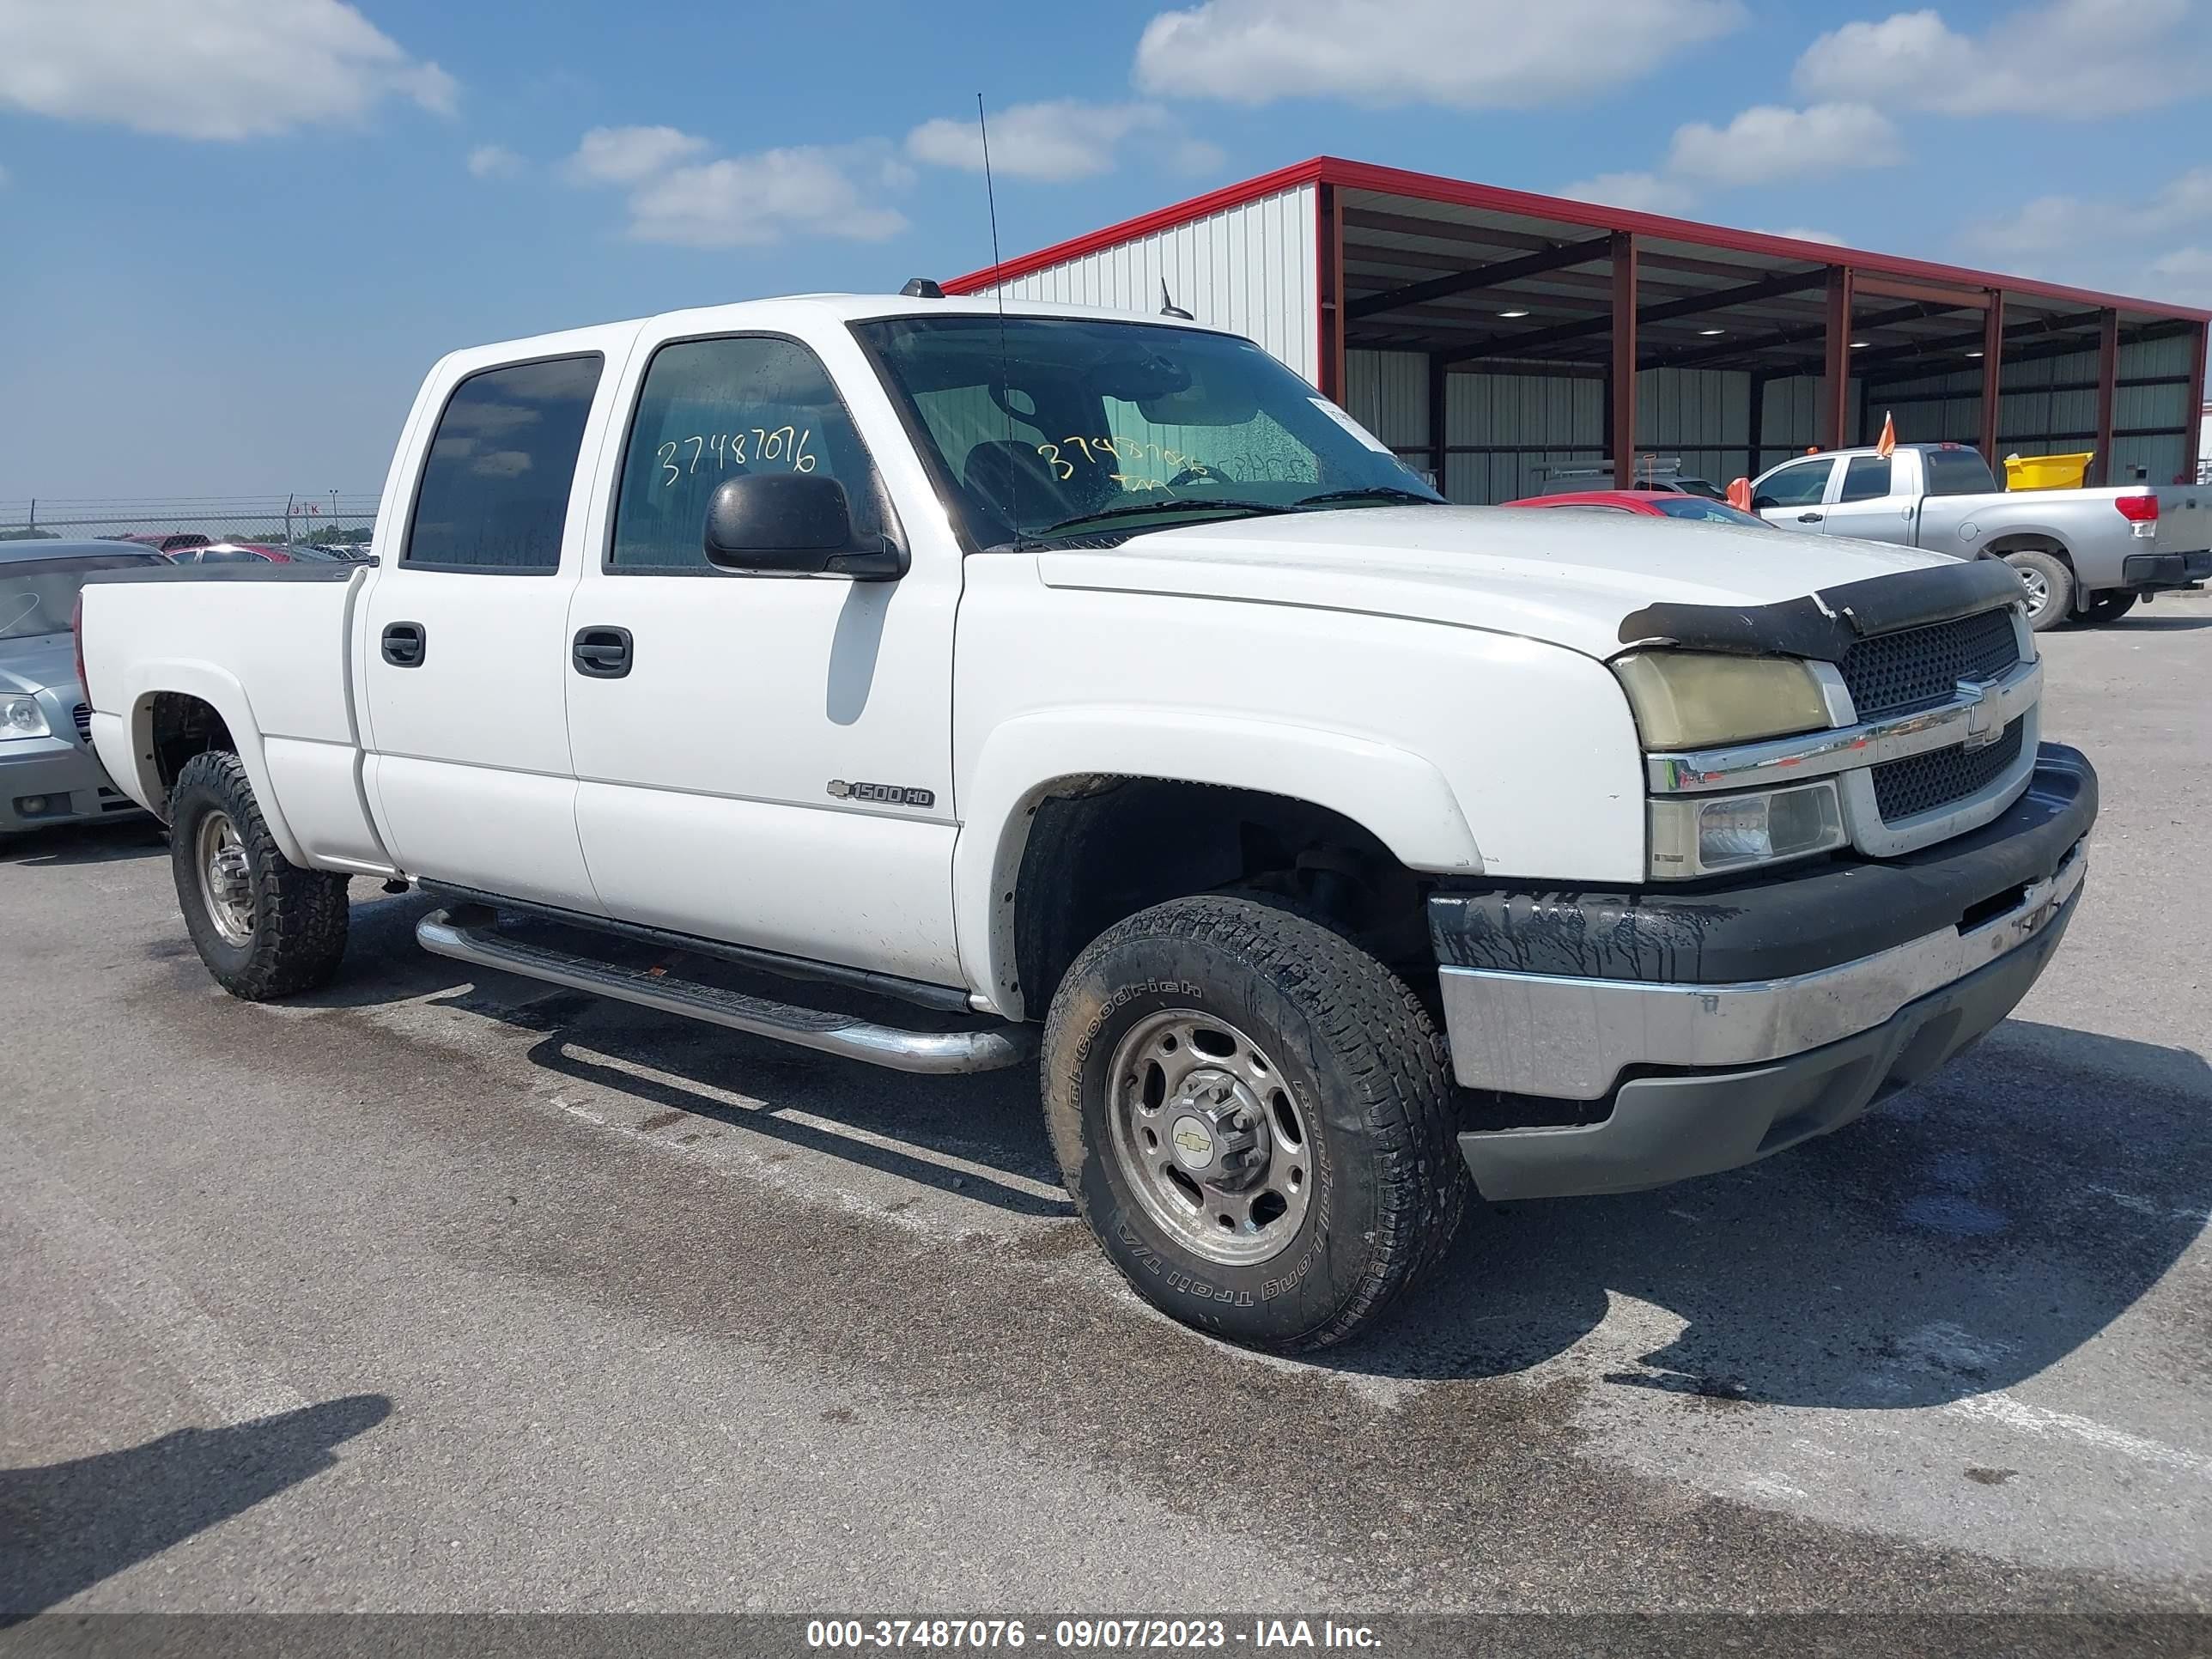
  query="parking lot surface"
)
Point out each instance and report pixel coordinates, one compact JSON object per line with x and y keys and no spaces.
{"x":433,"y":1293}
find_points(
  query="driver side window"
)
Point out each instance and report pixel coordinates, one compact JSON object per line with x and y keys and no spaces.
{"x":711,"y":409}
{"x":1799,"y":485}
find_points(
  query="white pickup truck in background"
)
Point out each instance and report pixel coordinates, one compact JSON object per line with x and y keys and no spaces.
{"x":2081,"y":554}
{"x":937,"y":687}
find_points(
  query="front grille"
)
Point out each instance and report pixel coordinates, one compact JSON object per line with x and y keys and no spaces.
{"x":1921,"y":783}
{"x":1921,"y":667}
{"x":82,"y":715}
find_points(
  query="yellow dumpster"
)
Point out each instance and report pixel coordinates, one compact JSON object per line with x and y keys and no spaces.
{"x":2047,"y":471}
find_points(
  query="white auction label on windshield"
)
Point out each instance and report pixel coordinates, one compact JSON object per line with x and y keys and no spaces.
{"x":1350,"y":425}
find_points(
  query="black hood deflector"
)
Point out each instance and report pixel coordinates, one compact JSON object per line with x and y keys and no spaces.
{"x":1824,"y":624}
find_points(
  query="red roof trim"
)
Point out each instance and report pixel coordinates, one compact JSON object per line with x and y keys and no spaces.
{"x":1430,"y":187}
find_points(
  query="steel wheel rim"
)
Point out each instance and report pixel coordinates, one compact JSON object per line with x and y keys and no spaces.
{"x":2038,"y":591}
{"x":1209,"y":1136}
{"x":226,"y":878}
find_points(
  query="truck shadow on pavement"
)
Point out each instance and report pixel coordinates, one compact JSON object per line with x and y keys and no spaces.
{"x":65,"y":1527}
{"x":701,"y":1079}
{"x":1966,"y":1234}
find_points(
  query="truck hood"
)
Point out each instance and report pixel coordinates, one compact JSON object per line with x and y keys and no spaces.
{"x":1557,"y":574}
{"x":38,"y":663}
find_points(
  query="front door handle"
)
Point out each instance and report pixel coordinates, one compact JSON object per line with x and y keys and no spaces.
{"x":405,"y":644}
{"x":601,"y":653}
{"x":1809,"y":518}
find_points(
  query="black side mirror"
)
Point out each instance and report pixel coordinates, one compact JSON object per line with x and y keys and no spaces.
{"x":794,"y":524}
{"x":1759,"y":503}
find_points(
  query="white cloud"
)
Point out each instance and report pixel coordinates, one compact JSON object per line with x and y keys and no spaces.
{"x":2068,"y":60}
{"x":1467,"y":54}
{"x":625,"y":155}
{"x":1806,"y":233}
{"x":1767,"y":143}
{"x":753,"y":200}
{"x":1644,"y":193}
{"x":1060,"y":139}
{"x":1764,"y":144}
{"x":206,"y":69}
{"x":2183,"y":277}
{"x":493,"y":161}
{"x":2059,"y":224}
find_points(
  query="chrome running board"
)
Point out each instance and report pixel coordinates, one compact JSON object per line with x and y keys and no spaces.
{"x":986,"y":1050}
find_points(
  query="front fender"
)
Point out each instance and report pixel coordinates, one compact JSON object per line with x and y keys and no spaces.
{"x":1400,"y":798}
{"x":222,"y":691}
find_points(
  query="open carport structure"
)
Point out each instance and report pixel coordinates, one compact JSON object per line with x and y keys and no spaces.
{"x":1493,"y":337}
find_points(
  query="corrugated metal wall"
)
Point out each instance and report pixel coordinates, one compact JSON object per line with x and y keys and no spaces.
{"x":1506,"y":432}
{"x":2036,"y":417}
{"x":1252,"y":268}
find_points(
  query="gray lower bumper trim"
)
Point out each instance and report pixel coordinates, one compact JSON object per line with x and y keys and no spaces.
{"x":1571,"y":1038}
{"x":1664,"y":1129}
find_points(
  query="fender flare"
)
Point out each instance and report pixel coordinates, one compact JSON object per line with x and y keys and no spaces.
{"x":222,"y":691}
{"x":1397,"y":796}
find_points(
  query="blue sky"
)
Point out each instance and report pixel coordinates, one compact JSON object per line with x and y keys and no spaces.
{"x":240,"y":230}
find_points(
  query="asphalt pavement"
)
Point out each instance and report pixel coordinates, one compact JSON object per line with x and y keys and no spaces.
{"x":443,"y":1292}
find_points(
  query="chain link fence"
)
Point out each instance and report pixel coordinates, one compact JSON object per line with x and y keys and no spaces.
{"x":333,"y":517}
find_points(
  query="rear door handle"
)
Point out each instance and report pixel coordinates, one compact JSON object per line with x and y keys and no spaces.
{"x":1809,"y":518}
{"x":601,"y":653}
{"x":405,"y":644}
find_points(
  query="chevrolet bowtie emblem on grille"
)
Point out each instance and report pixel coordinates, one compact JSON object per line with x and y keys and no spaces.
{"x":1983,"y":727}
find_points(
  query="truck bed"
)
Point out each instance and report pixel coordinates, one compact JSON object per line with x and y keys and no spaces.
{"x":271,"y":648}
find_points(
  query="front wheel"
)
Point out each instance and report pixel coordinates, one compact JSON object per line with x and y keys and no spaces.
{"x":1256,"y":1119}
{"x":2048,"y":584}
{"x":2110,"y":607}
{"x":265,"y":926}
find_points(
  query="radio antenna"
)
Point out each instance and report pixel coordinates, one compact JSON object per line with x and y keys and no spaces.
{"x":1005,"y":397}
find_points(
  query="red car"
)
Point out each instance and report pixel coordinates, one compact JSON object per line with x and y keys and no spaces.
{"x":1652,"y":504}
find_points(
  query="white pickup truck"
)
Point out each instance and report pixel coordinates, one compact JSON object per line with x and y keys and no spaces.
{"x":2085,"y":554}
{"x":1085,"y":686}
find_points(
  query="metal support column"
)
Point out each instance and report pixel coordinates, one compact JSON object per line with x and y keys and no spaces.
{"x":1754,"y":438}
{"x":2108,"y":375}
{"x":1439,"y":414}
{"x":2199,"y":392}
{"x":1329,"y":245}
{"x":1836,"y":395}
{"x":1992,"y":374}
{"x":1621,"y":385}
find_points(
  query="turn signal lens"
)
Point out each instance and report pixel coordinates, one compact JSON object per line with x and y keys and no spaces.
{"x":1730,"y":832}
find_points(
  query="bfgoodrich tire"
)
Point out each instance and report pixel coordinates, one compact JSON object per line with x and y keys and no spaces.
{"x":264,"y":926}
{"x":1256,"y":1119}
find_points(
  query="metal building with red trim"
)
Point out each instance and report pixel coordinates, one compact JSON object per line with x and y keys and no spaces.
{"x":1490,"y":336}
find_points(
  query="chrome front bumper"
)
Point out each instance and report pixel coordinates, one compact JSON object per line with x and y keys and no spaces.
{"x":1571,"y":1037}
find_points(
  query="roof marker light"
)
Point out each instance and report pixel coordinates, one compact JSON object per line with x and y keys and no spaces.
{"x":1708,"y":333}
{"x":1521,"y":312}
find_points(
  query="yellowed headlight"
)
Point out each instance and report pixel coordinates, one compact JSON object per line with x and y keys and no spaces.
{"x":1697,"y":700}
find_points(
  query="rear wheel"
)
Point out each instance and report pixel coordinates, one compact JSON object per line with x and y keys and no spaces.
{"x":1256,"y":1119}
{"x":2049,"y":586}
{"x":265,"y":926}
{"x":2110,"y":607}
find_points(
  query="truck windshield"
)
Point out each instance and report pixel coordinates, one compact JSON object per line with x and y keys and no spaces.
{"x":38,"y":596}
{"x":1045,"y":427}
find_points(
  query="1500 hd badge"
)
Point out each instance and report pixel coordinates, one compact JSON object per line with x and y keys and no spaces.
{"x":883,"y":794}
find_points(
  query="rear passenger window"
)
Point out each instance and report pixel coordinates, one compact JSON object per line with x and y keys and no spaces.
{"x":494,"y":490}
{"x":711,"y":409}
{"x":1866,"y":479}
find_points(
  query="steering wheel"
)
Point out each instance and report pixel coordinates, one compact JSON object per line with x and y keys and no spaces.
{"x":1193,"y":474}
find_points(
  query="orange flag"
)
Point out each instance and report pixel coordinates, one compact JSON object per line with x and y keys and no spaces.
{"x":1739,"y":494}
{"x":1886,"y":444}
